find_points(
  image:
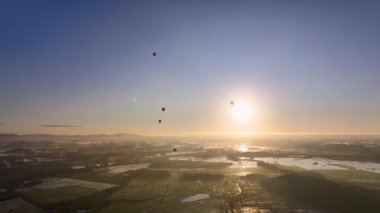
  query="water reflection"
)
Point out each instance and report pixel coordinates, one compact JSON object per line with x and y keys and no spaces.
{"x":323,"y":163}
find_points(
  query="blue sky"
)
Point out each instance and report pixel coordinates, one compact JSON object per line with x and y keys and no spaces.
{"x":306,"y":66}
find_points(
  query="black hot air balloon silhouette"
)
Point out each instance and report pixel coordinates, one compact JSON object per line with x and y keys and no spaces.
{"x":232,"y":102}
{"x":174,"y":149}
{"x":163,"y":109}
{"x":154,"y":54}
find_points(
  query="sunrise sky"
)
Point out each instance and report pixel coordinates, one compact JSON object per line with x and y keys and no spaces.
{"x":86,"y":67}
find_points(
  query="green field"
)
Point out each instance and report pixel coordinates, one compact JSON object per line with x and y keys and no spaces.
{"x":232,"y":186}
{"x":55,"y":195}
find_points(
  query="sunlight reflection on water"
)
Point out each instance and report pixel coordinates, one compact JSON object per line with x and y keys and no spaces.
{"x":323,"y":163}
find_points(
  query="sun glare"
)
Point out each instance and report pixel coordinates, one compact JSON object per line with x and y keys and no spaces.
{"x":243,"y":148}
{"x":242,"y":111}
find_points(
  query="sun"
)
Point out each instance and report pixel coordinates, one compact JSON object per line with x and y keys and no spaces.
{"x":242,"y":111}
{"x":243,"y":148}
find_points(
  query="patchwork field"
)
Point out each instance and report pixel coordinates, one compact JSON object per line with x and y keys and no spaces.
{"x":54,"y":195}
{"x":150,"y":177}
{"x":18,"y":205}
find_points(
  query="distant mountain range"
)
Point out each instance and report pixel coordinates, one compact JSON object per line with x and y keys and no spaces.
{"x":70,"y":138}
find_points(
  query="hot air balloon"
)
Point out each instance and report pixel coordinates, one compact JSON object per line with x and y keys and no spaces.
{"x":159,"y":121}
{"x":163,"y":109}
{"x":232,"y":102}
{"x":154,"y":54}
{"x":174,"y":149}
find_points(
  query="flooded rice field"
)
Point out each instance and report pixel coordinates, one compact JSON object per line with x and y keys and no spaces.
{"x":242,"y":163}
{"x":50,"y":183}
{"x":195,"y":198}
{"x":79,"y":167}
{"x":322,"y":163}
{"x":126,"y":168}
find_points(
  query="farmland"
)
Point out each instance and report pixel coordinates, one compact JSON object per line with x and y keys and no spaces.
{"x":148,"y":176}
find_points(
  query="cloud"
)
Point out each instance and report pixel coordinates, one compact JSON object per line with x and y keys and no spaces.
{"x":60,"y":126}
